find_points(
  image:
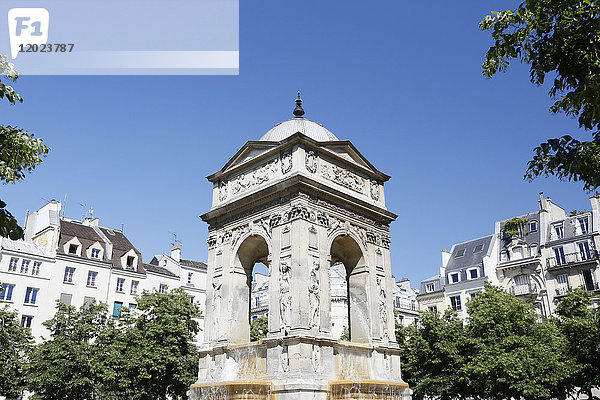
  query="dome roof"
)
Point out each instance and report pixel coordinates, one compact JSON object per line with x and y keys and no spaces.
{"x":300,"y":124}
{"x":311,"y":129}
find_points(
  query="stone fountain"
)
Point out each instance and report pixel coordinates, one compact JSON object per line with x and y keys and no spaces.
{"x":299,"y":200}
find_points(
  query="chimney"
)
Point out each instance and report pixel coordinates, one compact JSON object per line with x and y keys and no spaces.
{"x":176,"y":253}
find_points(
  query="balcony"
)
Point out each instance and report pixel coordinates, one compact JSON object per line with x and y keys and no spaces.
{"x":527,"y":289}
{"x":571,"y":259}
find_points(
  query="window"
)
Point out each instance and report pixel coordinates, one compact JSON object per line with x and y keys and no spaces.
{"x":532,"y":226}
{"x":36,"y":268}
{"x":413,"y":305}
{"x":192,"y":299}
{"x":583,"y":224}
{"x":69,"y":274}
{"x":558,"y":230}
{"x":162,"y":288}
{"x":87,"y":300}
{"x":26,"y":321}
{"x":533,"y":250}
{"x":130,"y":260}
{"x":25,"y":266}
{"x":562,"y":284}
{"x":189,"y":281}
{"x":455,"y":303}
{"x":473,"y":294}
{"x":460,"y":253}
{"x":13,"y":264}
{"x":66,"y":298}
{"x":134,"y":287}
{"x":473,"y":273}
{"x":432,"y":308}
{"x":31,"y":295}
{"x":132,"y":306}
{"x":91,"y":281}
{"x":559,"y":254}
{"x":584,"y":250}
{"x":6,"y":292}
{"x":522,"y":280}
{"x":257,"y":301}
{"x":478,"y":248}
{"x":504,"y":256}
{"x":517,"y":253}
{"x":120,"y":283}
{"x":95,"y":253}
{"x":454,"y":277}
{"x":588,"y":281}
{"x":117,"y":309}
{"x":429,"y":287}
{"x":73,"y":248}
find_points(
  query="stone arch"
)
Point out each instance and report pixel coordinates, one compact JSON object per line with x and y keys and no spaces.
{"x":253,"y":249}
{"x":346,"y":249}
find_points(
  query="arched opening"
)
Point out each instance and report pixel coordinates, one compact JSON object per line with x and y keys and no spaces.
{"x":248,"y":275}
{"x":345,"y":249}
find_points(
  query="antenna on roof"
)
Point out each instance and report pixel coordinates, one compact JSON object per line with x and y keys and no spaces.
{"x":174,"y":240}
{"x":64,"y":206}
{"x":91,"y":212}
{"x":82,"y":211}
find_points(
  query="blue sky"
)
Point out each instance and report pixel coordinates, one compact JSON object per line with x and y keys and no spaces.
{"x":401,"y":80}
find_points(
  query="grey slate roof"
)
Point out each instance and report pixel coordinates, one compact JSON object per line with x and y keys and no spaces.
{"x":192,"y":263}
{"x":437,"y":285}
{"x":529,"y":237}
{"x":159,"y":270}
{"x":470,"y":257}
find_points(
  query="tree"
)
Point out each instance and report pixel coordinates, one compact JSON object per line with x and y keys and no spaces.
{"x":509,"y":352}
{"x":15,"y":344}
{"x":583,"y":340}
{"x":67,"y":365}
{"x":149,"y":353}
{"x":20,"y":152}
{"x":259,"y":328}
{"x":433,"y":356}
{"x":559,"y":39}
{"x":345,"y":334}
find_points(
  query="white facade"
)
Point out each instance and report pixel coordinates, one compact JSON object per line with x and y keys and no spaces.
{"x":77,"y":262}
{"x":406,"y":306}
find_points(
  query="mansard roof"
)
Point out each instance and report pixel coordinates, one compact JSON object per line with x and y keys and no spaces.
{"x":469,"y":254}
{"x":159,"y":270}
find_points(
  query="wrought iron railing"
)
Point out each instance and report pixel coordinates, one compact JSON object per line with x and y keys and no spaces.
{"x":571,"y":258}
{"x":523,"y":289}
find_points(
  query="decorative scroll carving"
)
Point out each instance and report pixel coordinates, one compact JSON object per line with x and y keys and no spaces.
{"x":296,"y":212}
{"x":316,"y":357}
{"x":314,"y":287}
{"x":334,"y":224}
{"x":265,"y":224}
{"x":322,"y":219}
{"x":275,"y":220}
{"x":385,"y":241}
{"x":211,"y":241}
{"x":257,"y":176}
{"x":375,"y":190}
{"x":286,"y":161}
{"x":343,"y":177}
{"x":238,"y":232}
{"x":371,"y":237}
{"x":382,"y":296}
{"x":361,"y":233}
{"x":216,"y":305}
{"x":285,"y":305}
{"x":222,"y":190}
{"x":311,"y":161}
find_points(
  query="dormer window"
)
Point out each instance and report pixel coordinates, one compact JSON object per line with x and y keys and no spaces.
{"x":130,"y":260}
{"x":478,"y":248}
{"x":558,"y":231}
{"x":430,"y":287}
{"x":583,"y":225}
{"x":95,"y":253}
{"x":532,"y":226}
{"x":73,"y":248}
{"x":460,"y":253}
{"x":454,"y":277}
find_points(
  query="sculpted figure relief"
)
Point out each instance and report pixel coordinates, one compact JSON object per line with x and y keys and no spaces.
{"x":222,"y":190}
{"x":374,"y":190}
{"x":260,"y":175}
{"x":311,"y":161}
{"x":216,"y":305}
{"x":382,"y":296}
{"x":286,"y":298}
{"x":343,"y":177}
{"x":286,"y":162}
{"x":314,"y":294}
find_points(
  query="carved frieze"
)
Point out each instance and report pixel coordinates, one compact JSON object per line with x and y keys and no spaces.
{"x":255,"y":177}
{"x":265,"y":224}
{"x":375,"y":190}
{"x":222,"y":190}
{"x":382,"y":298}
{"x":286,"y":161}
{"x":297,"y":211}
{"x":311,"y":161}
{"x":238,"y":232}
{"x":343,"y":177}
{"x":211,"y":241}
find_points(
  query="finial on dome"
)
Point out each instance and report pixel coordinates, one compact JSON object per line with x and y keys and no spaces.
{"x":299,"y":111}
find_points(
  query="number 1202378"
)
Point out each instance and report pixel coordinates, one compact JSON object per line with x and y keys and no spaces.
{"x":47,"y":48}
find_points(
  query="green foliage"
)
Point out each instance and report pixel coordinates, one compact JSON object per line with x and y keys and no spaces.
{"x":259,"y":328}
{"x":67,"y":365}
{"x":15,"y":345}
{"x":583,"y":340}
{"x":560,"y":39}
{"x":149,"y":354}
{"x":20,"y":151}
{"x":576,"y":212}
{"x":345,"y":334}
{"x":146,"y":354}
{"x":515,"y":227}
{"x":504,"y":351}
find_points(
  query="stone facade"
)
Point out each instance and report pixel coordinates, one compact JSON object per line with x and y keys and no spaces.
{"x":298,"y":206}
